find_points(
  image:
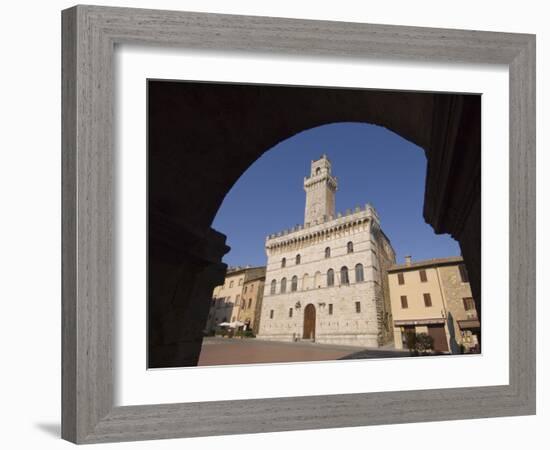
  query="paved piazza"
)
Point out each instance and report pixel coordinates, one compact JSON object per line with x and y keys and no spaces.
{"x":222,"y":351}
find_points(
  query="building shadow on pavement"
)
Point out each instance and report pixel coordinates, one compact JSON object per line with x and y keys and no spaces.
{"x":372,"y":354}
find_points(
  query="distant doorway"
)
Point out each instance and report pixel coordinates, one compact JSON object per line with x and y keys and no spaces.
{"x":309,"y":322}
{"x":437,"y":332}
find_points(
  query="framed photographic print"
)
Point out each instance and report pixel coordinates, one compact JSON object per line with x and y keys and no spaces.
{"x":285,"y":203}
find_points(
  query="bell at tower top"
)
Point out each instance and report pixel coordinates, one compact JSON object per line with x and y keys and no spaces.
{"x":322,"y":166}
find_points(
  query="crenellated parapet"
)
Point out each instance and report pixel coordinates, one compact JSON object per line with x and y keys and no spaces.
{"x":328,"y":227}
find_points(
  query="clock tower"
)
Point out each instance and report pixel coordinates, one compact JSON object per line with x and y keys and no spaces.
{"x":320,"y":189}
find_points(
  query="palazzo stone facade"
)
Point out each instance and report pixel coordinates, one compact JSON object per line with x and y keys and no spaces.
{"x":326,"y":280}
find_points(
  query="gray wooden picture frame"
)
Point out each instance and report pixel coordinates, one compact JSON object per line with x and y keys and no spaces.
{"x":89,"y":37}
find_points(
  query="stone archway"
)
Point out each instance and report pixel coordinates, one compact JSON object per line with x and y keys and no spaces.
{"x":309,"y":322}
{"x":202,"y":137}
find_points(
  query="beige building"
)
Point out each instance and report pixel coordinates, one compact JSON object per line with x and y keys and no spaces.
{"x":434,"y":297}
{"x":230,"y":300}
{"x":326,"y":279}
{"x":251,"y":302}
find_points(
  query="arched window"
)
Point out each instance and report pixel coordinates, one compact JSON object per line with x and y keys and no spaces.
{"x":318,"y":171}
{"x":305,"y":282}
{"x":283,"y":285}
{"x":344,"y":278}
{"x":317,"y":280}
{"x":330,"y":277}
{"x":327,"y":252}
{"x":273,"y":287}
{"x":294,"y":284}
{"x":298,"y":259}
{"x":350,"y":247}
{"x":242,"y":303}
{"x":283,"y":262}
{"x":359,"y":275}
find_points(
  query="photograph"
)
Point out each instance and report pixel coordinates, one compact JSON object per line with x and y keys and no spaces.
{"x":319,"y":247}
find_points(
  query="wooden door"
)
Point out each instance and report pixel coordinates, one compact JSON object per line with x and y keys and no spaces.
{"x":309,"y":322}
{"x":437,"y":332}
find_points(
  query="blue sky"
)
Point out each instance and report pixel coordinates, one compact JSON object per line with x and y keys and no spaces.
{"x":372,"y":165}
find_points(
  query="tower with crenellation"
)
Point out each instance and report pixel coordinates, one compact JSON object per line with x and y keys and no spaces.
{"x":320,"y":189}
{"x":326,"y":280}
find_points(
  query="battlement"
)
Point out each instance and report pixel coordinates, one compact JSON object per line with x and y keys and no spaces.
{"x":350,"y":215}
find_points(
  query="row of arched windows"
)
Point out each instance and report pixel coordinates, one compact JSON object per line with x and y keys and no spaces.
{"x":298,"y":259}
{"x":344,"y":279}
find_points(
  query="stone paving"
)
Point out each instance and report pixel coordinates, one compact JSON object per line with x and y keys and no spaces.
{"x":224,"y":351}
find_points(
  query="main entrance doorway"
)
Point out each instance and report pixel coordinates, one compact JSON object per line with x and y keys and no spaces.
{"x":309,"y":322}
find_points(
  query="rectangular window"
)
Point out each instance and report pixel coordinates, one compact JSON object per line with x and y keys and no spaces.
{"x":358,"y":307}
{"x":427,"y":300}
{"x":404,"y":302}
{"x":290,"y":312}
{"x":231,"y":284}
{"x":330,"y":309}
{"x":400,"y":278}
{"x":463,"y":273}
{"x":271,"y":314}
{"x":249,"y":303}
{"x":423,"y":276}
{"x":469,"y":304}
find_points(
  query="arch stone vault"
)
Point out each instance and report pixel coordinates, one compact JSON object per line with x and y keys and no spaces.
{"x":202,"y":137}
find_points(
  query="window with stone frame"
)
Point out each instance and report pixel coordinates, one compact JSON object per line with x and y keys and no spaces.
{"x":294,"y":284}
{"x":469,"y":304}
{"x":357,"y":307}
{"x":305,"y":282}
{"x":290,"y":312}
{"x":404,"y":302}
{"x":271,"y":314}
{"x":231,"y":283}
{"x":350,"y":247}
{"x":273,"y":287}
{"x":283,"y":262}
{"x":344,"y":276}
{"x":330,"y":309}
{"x":249,"y":303}
{"x":359,"y":273}
{"x":463,"y":273}
{"x":283,"y":285}
{"x":330,"y":277}
{"x":298,"y":259}
{"x":327,"y":252}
